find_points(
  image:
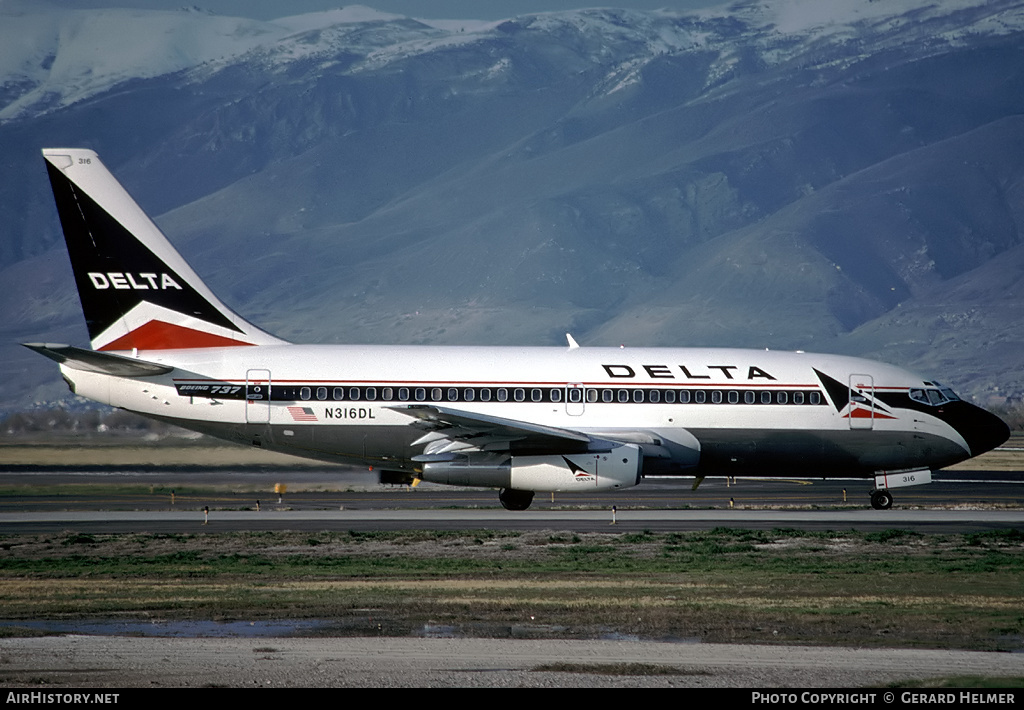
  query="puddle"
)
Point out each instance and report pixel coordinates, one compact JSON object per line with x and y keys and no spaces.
{"x":184,"y":629}
{"x":287,"y":628}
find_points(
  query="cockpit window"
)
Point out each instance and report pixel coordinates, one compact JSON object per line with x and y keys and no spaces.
{"x":933,"y":396}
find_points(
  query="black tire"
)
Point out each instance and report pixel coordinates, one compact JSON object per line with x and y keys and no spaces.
{"x":512,"y":499}
{"x":881,"y":500}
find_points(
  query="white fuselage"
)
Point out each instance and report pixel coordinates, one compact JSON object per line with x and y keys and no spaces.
{"x":700,"y":411}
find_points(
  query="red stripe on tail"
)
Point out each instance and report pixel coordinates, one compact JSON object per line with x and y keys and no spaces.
{"x":158,"y":335}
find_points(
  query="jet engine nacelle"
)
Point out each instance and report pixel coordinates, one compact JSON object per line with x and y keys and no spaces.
{"x":618,"y":468}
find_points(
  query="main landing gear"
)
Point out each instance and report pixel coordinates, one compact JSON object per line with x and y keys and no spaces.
{"x":881,"y":499}
{"x":512,"y":499}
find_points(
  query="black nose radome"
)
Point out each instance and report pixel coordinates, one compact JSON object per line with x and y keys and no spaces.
{"x":982,"y":430}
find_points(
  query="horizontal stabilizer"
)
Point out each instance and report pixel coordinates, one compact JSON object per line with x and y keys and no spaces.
{"x":92,"y":361}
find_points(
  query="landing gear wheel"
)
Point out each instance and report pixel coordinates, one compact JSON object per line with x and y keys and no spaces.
{"x":512,"y":499}
{"x":881,"y":500}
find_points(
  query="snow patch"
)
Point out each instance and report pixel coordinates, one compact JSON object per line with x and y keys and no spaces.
{"x":72,"y":55}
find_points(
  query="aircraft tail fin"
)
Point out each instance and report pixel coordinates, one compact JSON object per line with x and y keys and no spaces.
{"x":136,"y":291}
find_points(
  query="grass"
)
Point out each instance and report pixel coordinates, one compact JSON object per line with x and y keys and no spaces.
{"x":875,"y":589}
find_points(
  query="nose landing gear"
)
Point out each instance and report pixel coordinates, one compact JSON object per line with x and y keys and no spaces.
{"x":881,"y":499}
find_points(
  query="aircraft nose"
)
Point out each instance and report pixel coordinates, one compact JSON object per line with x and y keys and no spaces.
{"x":982,"y":430}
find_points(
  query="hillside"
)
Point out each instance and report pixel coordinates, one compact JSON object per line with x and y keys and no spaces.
{"x":793,"y":174}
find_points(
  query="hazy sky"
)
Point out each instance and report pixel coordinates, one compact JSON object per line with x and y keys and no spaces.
{"x":458,"y":9}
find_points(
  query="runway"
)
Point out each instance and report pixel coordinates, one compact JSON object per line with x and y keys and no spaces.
{"x":154,"y":521}
{"x":956,"y":503}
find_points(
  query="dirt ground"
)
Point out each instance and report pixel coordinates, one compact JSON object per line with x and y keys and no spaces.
{"x":119,"y":662}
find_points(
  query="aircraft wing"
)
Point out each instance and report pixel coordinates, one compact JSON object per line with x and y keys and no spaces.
{"x":94,"y":361}
{"x":451,"y":430}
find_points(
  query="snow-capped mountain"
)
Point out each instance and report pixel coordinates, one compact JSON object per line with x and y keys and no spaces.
{"x":51,"y":60}
{"x":815,"y":174}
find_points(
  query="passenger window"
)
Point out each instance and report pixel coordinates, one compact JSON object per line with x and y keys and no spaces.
{"x":684,"y":397}
{"x":783,"y":397}
{"x":556,"y":395}
{"x":734,"y":397}
{"x":305,"y":393}
{"x":654,"y":396}
{"x":387,"y":394}
{"x":435,"y":394}
{"x":536,"y":395}
{"x":638,"y":396}
{"x":699,"y":396}
{"x":502,"y":394}
{"x":403,"y":394}
{"x":371,"y":393}
{"x":716,"y":397}
{"x":339,"y":393}
{"x":321,"y":393}
{"x":453,"y":394}
{"x":467,"y":394}
{"x":607,"y":396}
{"x":798,"y":398}
{"x":592,"y":395}
{"x":815,"y":397}
{"x":766,"y":398}
{"x":519,"y":394}
{"x":353,"y":394}
{"x":485,"y":395}
{"x":670,"y":396}
{"x":420,"y":394}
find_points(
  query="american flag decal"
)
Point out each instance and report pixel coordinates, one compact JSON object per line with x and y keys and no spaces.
{"x":302,"y":414}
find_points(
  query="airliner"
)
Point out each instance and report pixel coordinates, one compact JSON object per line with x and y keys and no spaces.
{"x":520,"y":420}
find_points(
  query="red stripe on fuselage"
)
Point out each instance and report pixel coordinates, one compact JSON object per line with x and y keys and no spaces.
{"x":157,"y":335}
{"x":861,"y":413}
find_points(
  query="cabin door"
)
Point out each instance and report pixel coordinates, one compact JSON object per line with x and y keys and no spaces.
{"x":862,"y":394}
{"x":257,"y":397}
